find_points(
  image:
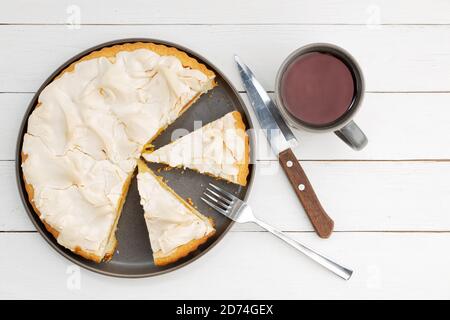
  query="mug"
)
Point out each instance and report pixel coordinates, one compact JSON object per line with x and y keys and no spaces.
{"x":344,"y":127}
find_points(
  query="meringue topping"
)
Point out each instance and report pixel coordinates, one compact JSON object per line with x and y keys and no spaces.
{"x":87,"y":132}
{"x":171,"y":222}
{"x":218,"y":148}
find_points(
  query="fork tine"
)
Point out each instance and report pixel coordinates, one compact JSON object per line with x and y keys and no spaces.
{"x":217,"y":201}
{"x":219,"y":209}
{"x":229,"y":195}
{"x":224,"y":199}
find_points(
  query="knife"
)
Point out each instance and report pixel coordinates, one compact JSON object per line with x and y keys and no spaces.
{"x":281,"y":139}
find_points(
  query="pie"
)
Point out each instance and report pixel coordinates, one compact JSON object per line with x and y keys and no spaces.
{"x":174,"y":226}
{"x":87,"y":132}
{"x":219,"y":149}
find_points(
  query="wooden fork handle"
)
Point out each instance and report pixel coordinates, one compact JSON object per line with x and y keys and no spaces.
{"x":320,"y":220}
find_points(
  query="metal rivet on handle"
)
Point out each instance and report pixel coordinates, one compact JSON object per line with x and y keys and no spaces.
{"x":289,"y":164}
{"x":301,"y":187}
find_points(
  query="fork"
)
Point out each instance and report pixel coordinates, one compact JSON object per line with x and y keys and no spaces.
{"x":234,"y":208}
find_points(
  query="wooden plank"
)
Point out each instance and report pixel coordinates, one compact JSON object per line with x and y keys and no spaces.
{"x":228,"y":12}
{"x":388,"y":119}
{"x":394,"y":58}
{"x":359,"y":196}
{"x":13,"y":107}
{"x":399,"y":126}
{"x":244,"y":266}
{"x":12,"y":215}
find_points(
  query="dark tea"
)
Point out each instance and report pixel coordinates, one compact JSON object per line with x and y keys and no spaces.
{"x":317,"y":88}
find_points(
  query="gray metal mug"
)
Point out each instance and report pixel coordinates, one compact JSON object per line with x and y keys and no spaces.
{"x":345,"y":128}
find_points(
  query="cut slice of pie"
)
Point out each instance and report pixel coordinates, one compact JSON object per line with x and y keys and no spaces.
{"x":174,"y":226}
{"x":219,"y":149}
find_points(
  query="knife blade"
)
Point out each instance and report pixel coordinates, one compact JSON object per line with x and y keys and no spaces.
{"x":279,"y":135}
{"x":281,"y":139}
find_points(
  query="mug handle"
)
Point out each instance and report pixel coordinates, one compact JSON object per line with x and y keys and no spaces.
{"x":352,"y":135}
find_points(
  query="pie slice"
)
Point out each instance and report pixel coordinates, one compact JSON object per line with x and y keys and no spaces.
{"x":88,"y":130}
{"x":175,"y":227}
{"x":219,"y":149}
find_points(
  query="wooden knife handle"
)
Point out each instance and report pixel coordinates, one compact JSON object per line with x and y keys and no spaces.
{"x":321,"y":222}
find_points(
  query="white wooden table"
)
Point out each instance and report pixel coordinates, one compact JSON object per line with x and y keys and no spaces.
{"x":390,"y":201}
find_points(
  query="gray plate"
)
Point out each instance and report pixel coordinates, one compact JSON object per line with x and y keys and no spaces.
{"x":133,"y":257}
